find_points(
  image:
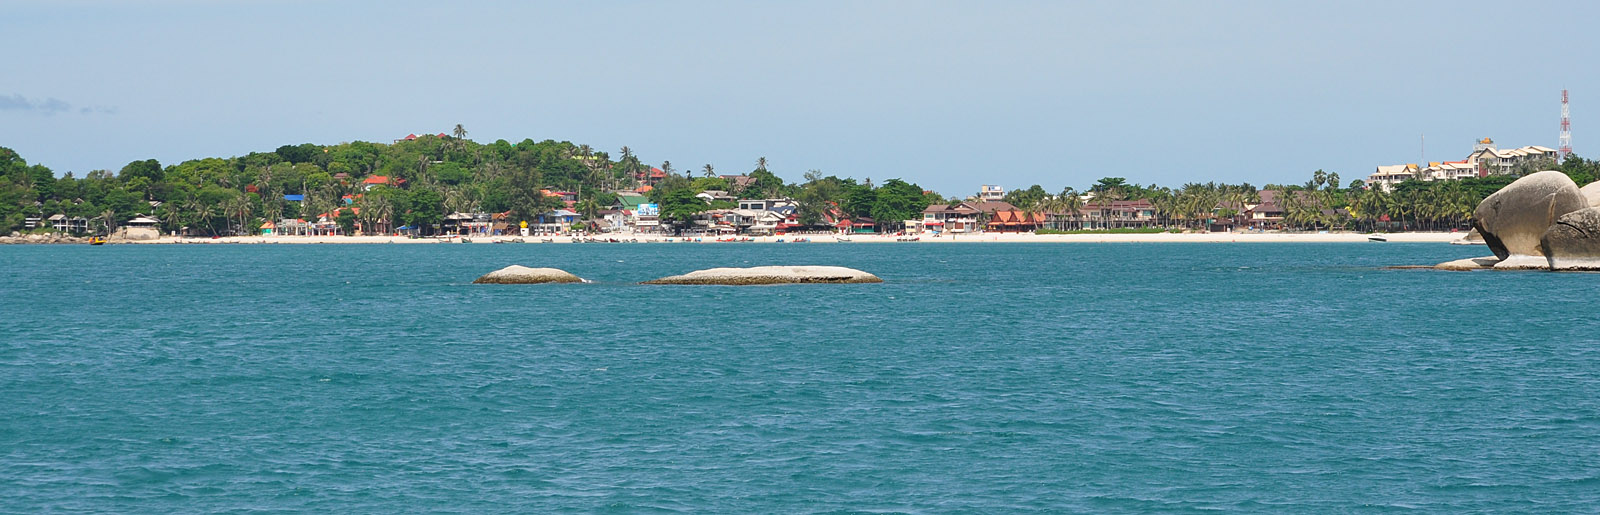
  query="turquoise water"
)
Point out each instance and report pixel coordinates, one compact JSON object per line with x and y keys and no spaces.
{"x":978,"y":378}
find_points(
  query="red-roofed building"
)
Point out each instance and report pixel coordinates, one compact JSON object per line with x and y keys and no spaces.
{"x":377,"y":180}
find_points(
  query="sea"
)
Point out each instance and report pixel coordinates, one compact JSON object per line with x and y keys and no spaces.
{"x":977,"y":378}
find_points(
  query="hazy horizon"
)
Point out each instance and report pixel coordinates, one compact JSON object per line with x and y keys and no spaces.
{"x":947,"y":95}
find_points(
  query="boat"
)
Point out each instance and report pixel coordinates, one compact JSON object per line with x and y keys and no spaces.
{"x":97,"y":240}
{"x":547,"y":240}
{"x":1377,"y":238}
{"x":800,"y":240}
{"x":842,"y":239}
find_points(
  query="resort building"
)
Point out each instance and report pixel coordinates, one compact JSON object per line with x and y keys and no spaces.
{"x":991,"y":193}
{"x":1486,"y":159}
{"x":1389,"y":175}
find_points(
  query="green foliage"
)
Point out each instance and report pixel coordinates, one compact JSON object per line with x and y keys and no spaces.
{"x":680,"y":205}
{"x":450,"y":173}
{"x":346,"y":221}
{"x":709,"y":183}
{"x":1026,"y":198}
{"x":897,"y":201}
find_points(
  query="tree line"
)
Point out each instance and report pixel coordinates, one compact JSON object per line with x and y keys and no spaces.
{"x":431,"y":176}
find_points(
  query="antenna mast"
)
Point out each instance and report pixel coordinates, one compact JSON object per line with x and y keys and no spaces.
{"x":1565,"y":145}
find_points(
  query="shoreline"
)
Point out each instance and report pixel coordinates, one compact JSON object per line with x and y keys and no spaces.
{"x":1340,"y":237}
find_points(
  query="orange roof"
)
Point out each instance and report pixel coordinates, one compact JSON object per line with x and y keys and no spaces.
{"x":645,"y":189}
{"x":269,"y":225}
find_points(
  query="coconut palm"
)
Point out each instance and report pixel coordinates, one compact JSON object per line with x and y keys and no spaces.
{"x":761,"y":163}
{"x":108,"y":217}
{"x":709,"y":170}
{"x":460,"y":132}
{"x":1072,"y":203}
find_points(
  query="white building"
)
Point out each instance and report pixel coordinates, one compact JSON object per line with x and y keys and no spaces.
{"x":991,"y":193}
{"x":1389,"y":175}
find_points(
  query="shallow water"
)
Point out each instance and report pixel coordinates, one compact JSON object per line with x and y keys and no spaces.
{"x":979,"y":377}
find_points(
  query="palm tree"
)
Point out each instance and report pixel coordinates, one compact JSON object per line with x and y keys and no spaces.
{"x":761,"y":163}
{"x":1072,"y":203}
{"x":460,"y":132}
{"x":109,"y":218}
{"x":709,"y":170}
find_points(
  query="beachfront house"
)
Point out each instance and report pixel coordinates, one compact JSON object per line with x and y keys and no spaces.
{"x":140,"y":228}
{"x":1016,"y":220}
{"x":69,"y":224}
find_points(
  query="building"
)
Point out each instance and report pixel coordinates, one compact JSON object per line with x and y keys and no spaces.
{"x":1387,"y":176}
{"x":140,"y":228}
{"x":1486,"y":159}
{"x":960,"y":218}
{"x":1016,"y":221}
{"x":991,"y":193}
{"x":1490,"y":160}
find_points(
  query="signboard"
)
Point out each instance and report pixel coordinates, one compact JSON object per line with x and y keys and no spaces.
{"x":649,"y":210}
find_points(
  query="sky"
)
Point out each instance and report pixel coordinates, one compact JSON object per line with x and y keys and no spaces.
{"x":949,"y":95}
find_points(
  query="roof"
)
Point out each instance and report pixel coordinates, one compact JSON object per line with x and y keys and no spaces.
{"x":294,"y":198}
{"x":645,"y":189}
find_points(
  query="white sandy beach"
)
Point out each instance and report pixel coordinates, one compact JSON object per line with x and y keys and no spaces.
{"x":1332,"y":237}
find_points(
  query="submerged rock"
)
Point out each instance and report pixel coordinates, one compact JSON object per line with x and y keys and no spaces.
{"x":1513,"y":220}
{"x":518,"y":274}
{"x":1463,"y":265}
{"x":771,"y":275}
{"x":1573,"y":243}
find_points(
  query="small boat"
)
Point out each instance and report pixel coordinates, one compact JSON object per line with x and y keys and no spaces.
{"x":547,"y":240}
{"x":842,"y":239}
{"x":1377,"y":238}
{"x":97,"y":240}
{"x":800,"y":240}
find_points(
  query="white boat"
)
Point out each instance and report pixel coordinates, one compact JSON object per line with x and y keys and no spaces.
{"x":1377,"y":238}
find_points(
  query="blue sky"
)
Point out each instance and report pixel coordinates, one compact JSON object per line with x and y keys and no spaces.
{"x":946,"y":94}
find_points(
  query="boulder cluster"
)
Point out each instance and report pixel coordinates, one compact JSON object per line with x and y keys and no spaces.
{"x":19,"y":238}
{"x":1540,"y":222}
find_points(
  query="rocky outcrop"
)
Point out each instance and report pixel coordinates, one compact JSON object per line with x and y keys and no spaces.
{"x":517,"y":274}
{"x":1573,"y":243}
{"x":49,"y":238}
{"x":1464,"y":265}
{"x":1513,"y":220}
{"x":771,"y":275}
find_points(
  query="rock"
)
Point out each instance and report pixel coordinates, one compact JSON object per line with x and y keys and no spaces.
{"x":771,"y":275}
{"x":1513,"y":219}
{"x":1591,"y":193}
{"x":518,"y":274}
{"x":1573,"y":243}
{"x":1462,"y":265}
{"x":1473,"y":237}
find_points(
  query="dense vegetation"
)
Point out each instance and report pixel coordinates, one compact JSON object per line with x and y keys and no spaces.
{"x":432,"y":176}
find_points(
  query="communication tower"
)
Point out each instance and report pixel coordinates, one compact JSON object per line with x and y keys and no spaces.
{"x":1564,"y":147}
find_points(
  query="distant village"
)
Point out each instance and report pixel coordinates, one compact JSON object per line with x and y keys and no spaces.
{"x":477,"y":189}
